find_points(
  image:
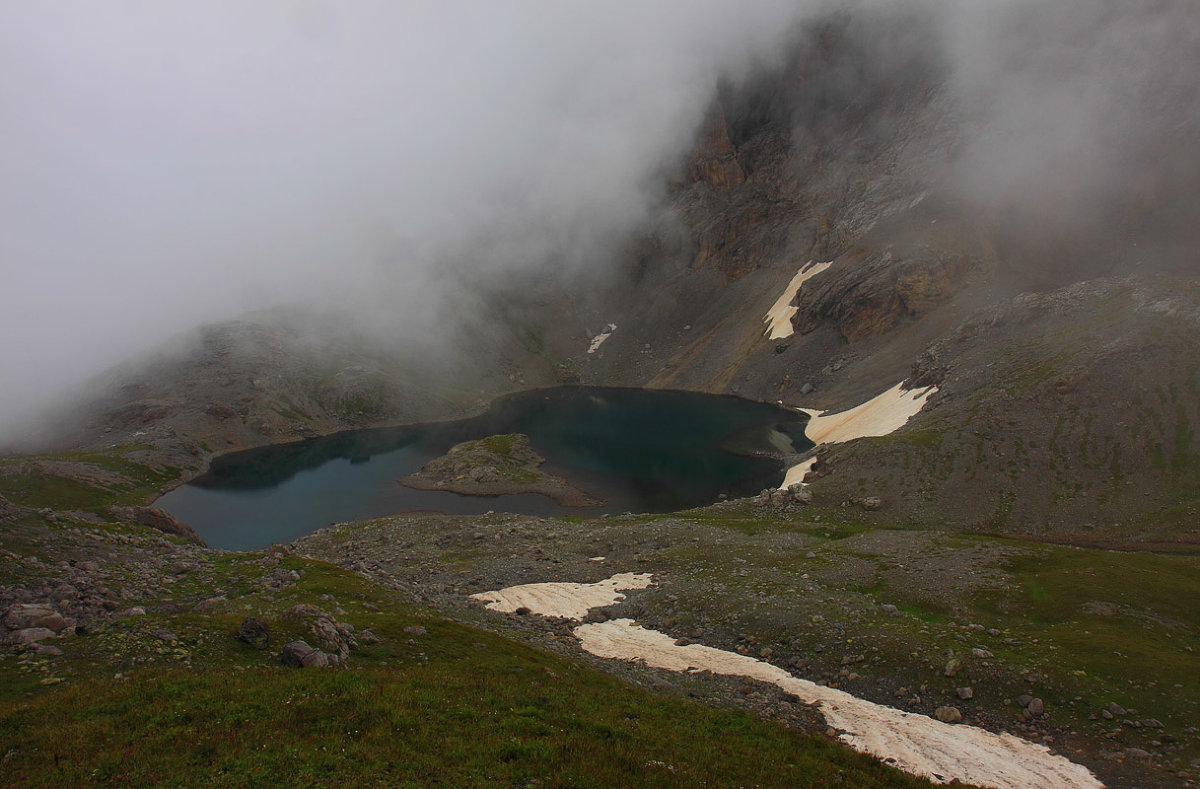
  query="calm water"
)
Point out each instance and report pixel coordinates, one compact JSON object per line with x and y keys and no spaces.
{"x":637,"y":450}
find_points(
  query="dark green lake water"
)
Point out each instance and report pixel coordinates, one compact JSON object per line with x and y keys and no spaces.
{"x":637,"y":450}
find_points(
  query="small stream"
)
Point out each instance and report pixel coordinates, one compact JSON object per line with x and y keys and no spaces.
{"x":637,"y":450}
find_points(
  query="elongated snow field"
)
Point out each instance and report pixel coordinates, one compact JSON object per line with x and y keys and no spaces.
{"x":909,"y":741}
{"x":883,"y":414}
{"x":779,"y":317}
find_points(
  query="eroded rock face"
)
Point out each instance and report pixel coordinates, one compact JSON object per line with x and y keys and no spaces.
{"x":714,"y":159}
{"x":870,"y":293}
{"x":156,"y":519}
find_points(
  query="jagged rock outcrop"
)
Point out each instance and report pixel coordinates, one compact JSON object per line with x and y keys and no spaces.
{"x":868,"y":293}
{"x":158,"y":519}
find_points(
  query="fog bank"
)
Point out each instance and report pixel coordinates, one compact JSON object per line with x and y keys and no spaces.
{"x":164,"y":165}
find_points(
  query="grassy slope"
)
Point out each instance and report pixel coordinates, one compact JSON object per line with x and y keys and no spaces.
{"x":84,"y":480}
{"x":453,"y":706}
{"x":1079,"y":628}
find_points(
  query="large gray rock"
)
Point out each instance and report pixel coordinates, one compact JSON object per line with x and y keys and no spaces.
{"x":330,"y":634}
{"x":25,"y":615}
{"x":299,"y":654}
{"x":28,"y":635}
{"x":948,"y":714}
{"x":801,"y":493}
{"x":254,"y":632}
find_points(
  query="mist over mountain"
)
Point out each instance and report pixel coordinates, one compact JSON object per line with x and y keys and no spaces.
{"x":165,"y":167}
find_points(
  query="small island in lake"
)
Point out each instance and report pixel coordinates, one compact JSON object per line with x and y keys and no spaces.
{"x":494,"y":466}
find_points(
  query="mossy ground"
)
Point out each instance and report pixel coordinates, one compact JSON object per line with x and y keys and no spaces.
{"x":450,"y":706}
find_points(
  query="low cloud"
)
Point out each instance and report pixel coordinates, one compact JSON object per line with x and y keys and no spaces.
{"x":164,"y":165}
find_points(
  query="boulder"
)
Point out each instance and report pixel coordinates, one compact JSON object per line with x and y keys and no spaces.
{"x":948,"y":714}
{"x":25,"y":615}
{"x":254,"y":632}
{"x":871,"y":503}
{"x":889,"y":609}
{"x":801,"y":493}
{"x":331,"y":635}
{"x":7,"y":509}
{"x":965,"y":693}
{"x":299,"y":654}
{"x":28,"y":635}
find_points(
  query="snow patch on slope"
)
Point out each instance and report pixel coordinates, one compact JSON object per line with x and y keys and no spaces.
{"x":914,"y":743}
{"x":879,"y":416}
{"x":779,"y":317}
{"x":565,"y":600}
{"x":599,"y":339}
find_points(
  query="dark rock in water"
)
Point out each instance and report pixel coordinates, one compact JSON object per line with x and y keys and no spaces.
{"x":254,"y":632}
{"x":496,"y":465}
{"x":156,"y":519}
{"x":26,"y":615}
{"x":299,"y":654}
